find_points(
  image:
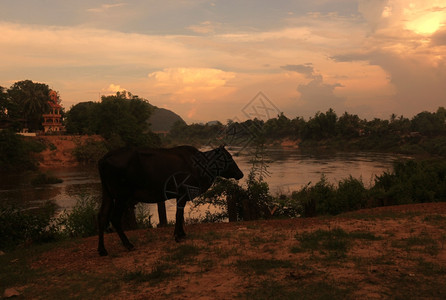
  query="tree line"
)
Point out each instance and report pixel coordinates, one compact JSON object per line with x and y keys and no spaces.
{"x":425,"y":132}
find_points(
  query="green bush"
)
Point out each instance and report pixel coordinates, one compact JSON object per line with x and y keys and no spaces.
{"x":45,"y":178}
{"x":412,"y":182}
{"x":25,"y":226}
{"x":143,"y":216}
{"x":350,"y":195}
{"x":17,"y":152}
{"x":81,"y":220}
{"x":90,"y":151}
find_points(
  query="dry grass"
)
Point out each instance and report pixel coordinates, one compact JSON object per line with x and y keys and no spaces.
{"x":392,"y":252}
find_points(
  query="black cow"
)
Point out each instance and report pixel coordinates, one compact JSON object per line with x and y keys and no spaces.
{"x":129,"y":176}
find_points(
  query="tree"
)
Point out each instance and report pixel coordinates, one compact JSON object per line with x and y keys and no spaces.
{"x":348,"y":125}
{"x":30,"y":102}
{"x":399,"y":125}
{"x":121,"y":119}
{"x":321,"y":126}
{"x":279,"y":127}
{"x":3,"y":103}
{"x":81,"y":118}
{"x":428,"y":123}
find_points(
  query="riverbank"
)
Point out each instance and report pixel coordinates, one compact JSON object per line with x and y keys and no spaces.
{"x":387,"y":252}
{"x":59,"y":150}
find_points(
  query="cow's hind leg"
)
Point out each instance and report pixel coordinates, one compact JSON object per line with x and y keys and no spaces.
{"x":116,"y":220}
{"x":179,"y":221}
{"x":103,"y":221}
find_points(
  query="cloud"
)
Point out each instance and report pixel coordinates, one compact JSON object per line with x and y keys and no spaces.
{"x":191,"y":113}
{"x":319,"y":96}
{"x":105,"y":7}
{"x":205,"y":27}
{"x":439,"y":37}
{"x":113,"y":88}
{"x":306,"y":69}
{"x":191,"y":79}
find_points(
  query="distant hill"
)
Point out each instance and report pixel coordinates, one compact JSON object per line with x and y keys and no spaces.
{"x":162,"y":119}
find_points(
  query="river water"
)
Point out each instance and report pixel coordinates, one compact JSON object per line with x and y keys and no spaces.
{"x":289,"y":169}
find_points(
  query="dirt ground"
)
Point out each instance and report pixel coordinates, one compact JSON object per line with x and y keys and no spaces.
{"x":59,"y":151}
{"x":391,"y":252}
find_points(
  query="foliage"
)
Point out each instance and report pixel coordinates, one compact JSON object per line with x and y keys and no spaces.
{"x":4,"y":103}
{"x":237,"y":202}
{"x":80,"y":119}
{"x":411,"y":182}
{"x":45,"y":178}
{"x":143,"y":216}
{"x":81,"y":220}
{"x":17,"y":152}
{"x":181,"y":133}
{"x":29,"y":101}
{"x":423,"y":134}
{"x":20,"y":226}
{"x":121,"y":119}
{"x":90,"y":151}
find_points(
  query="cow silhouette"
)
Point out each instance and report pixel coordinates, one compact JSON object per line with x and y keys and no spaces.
{"x":151,"y":175}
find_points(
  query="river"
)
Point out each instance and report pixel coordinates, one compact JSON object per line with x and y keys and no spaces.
{"x":289,"y":169}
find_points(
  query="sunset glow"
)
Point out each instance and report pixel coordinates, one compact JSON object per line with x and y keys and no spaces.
{"x":206,"y":60}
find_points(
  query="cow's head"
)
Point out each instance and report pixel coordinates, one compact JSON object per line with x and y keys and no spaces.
{"x":231,"y":169}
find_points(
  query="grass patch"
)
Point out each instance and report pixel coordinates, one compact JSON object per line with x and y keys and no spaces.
{"x":226,"y":252}
{"x":364,"y":235}
{"x":256,"y":241}
{"x":209,"y":236}
{"x":272,"y":290}
{"x":16,"y":271}
{"x":262,"y":266}
{"x":335,"y":241}
{"x":422,"y":242}
{"x":183,"y":253}
{"x":435,"y":219}
{"x":430,"y":269}
{"x":160,"y":272}
{"x":382,"y":215}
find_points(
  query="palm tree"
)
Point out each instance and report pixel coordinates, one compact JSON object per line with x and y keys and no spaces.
{"x":32,"y":101}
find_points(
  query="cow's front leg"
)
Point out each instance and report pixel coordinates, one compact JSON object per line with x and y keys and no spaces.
{"x":117,"y":224}
{"x":179,"y":221}
{"x":103,"y":221}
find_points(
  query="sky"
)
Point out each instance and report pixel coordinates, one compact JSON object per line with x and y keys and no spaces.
{"x":220,"y":60}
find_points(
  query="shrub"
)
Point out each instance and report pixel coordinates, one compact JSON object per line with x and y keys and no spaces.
{"x":81,"y":220}
{"x":45,"y":178}
{"x":90,"y":151}
{"x":412,"y":182}
{"x":350,"y":195}
{"x":21,"y":226}
{"x":143,"y":216}
{"x":16,"y":152}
